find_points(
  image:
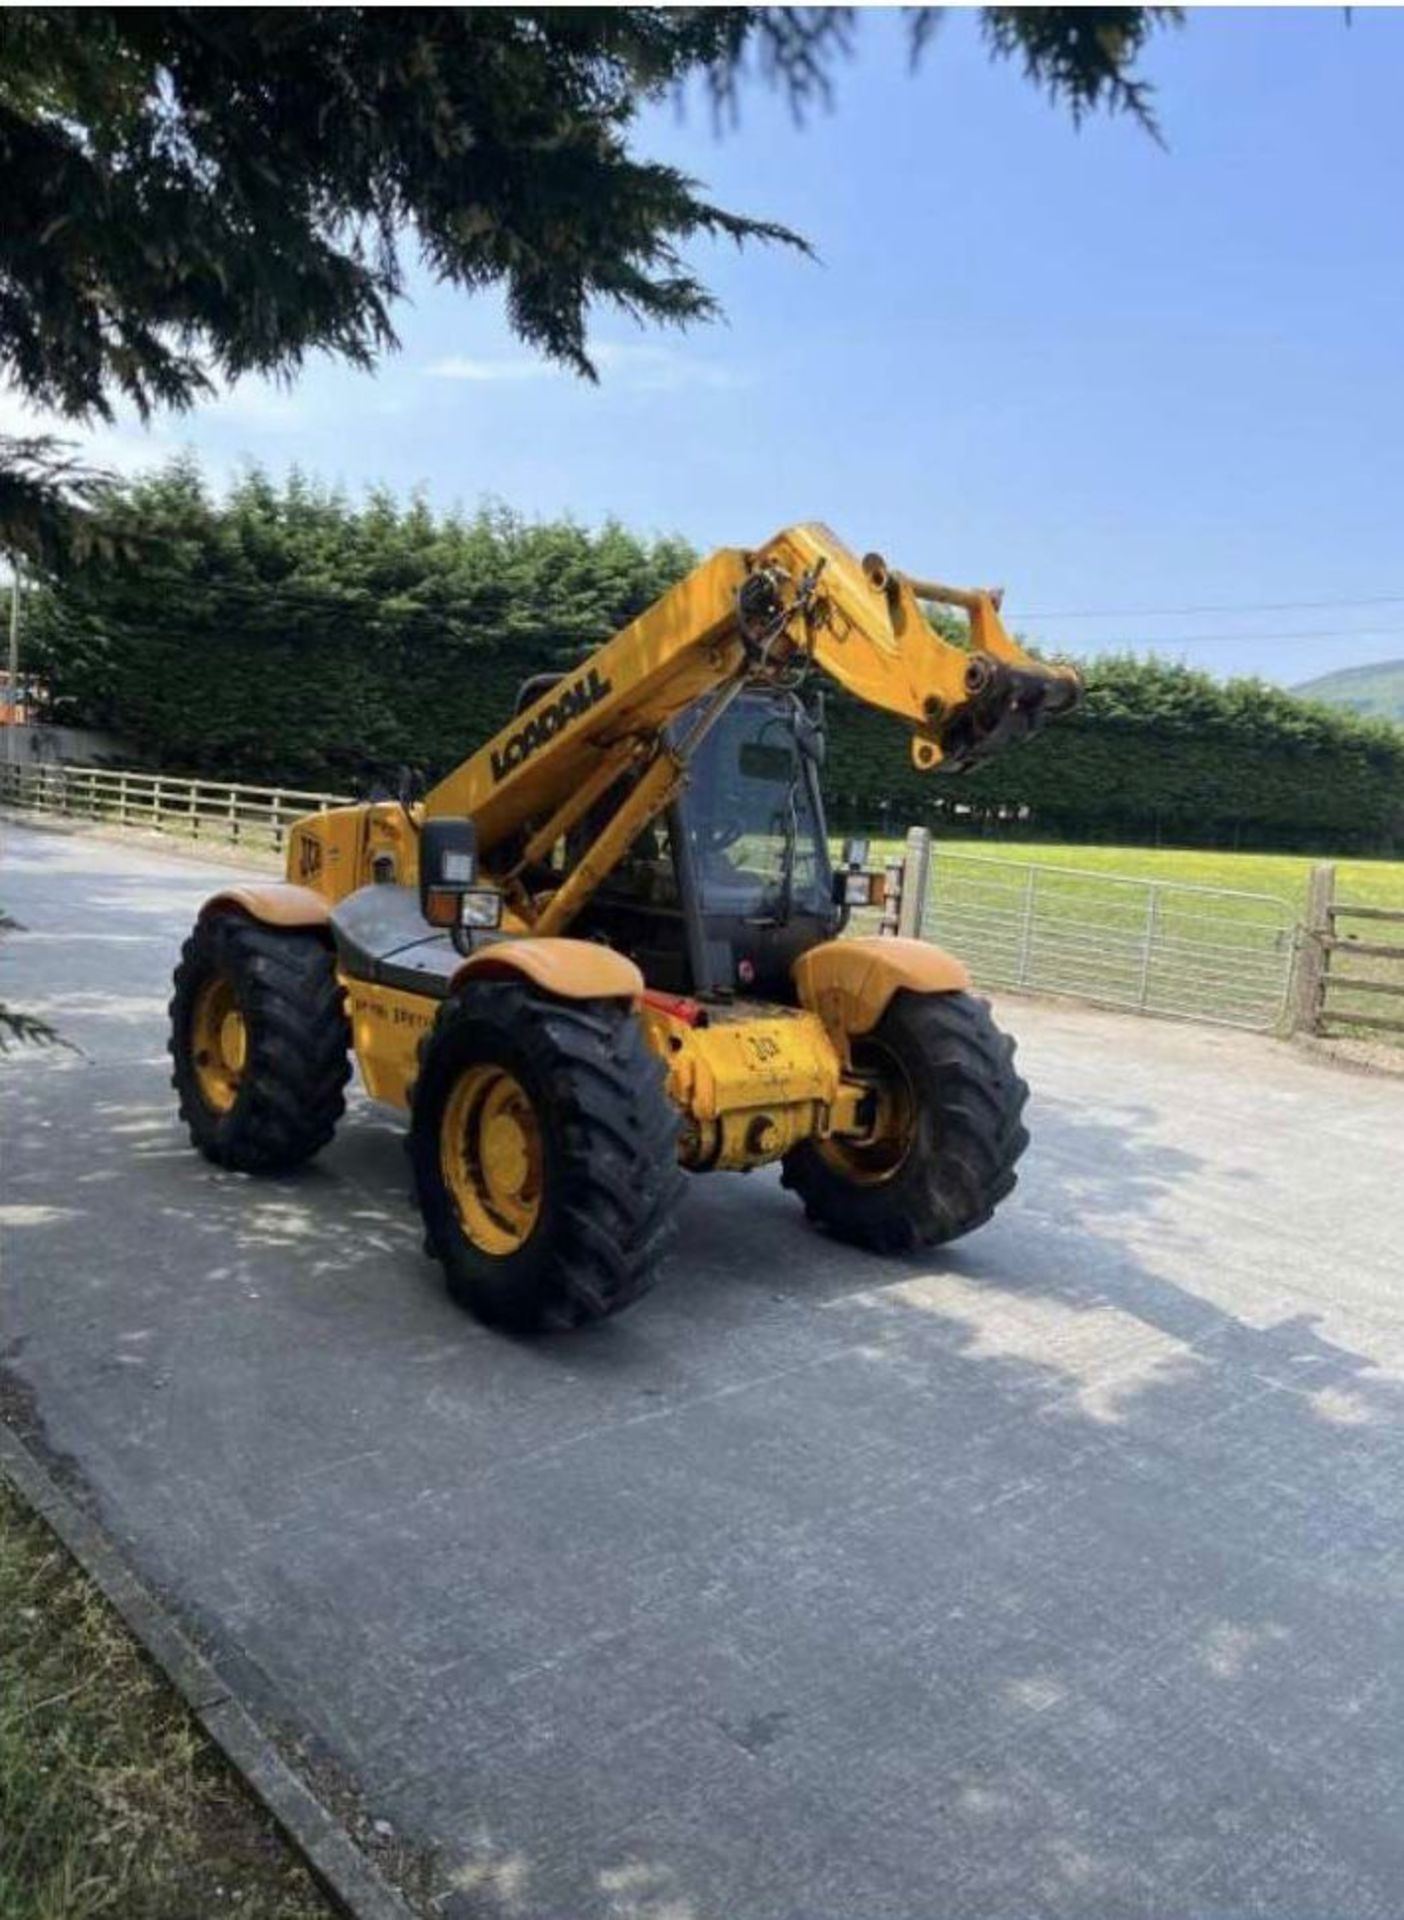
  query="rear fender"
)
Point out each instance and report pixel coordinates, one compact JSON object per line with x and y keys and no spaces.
{"x":849,"y":983}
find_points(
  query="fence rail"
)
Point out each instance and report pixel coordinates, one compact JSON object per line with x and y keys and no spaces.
{"x":1149,"y":946}
{"x":255,"y":817}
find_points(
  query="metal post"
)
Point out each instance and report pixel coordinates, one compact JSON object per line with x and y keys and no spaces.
{"x":916,"y":876}
{"x":1026,"y":931}
{"x":1313,"y":954}
{"x":1148,"y":948}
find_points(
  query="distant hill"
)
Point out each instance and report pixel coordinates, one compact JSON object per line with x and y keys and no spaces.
{"x":1377,"y":690}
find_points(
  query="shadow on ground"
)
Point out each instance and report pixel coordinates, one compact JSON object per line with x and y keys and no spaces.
{"x":1058,"y":1572}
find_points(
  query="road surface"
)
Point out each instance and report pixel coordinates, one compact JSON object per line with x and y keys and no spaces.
{"x":1059,"y":1574}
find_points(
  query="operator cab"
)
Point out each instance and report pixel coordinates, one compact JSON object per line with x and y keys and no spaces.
{"x":733,"y":883}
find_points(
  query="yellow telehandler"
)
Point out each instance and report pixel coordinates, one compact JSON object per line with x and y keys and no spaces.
{"x":605,"y":949}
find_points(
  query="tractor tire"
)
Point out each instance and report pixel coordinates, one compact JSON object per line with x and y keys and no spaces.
{"x":261,"y":1043}
{"x":544,"y":1149}
{"x":949,"y":1082}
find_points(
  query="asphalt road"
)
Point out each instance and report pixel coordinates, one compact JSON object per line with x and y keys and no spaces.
{"x":1056,"y":1575}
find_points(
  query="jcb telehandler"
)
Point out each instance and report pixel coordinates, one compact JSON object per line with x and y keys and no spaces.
{"x":605,"y":949}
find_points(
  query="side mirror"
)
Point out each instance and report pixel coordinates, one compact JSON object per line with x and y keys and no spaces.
{"x":449,"y":894}
{"x":855,"y":853}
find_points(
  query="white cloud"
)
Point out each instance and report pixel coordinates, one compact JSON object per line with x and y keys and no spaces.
{"x":656,"y":369}
{"x":489,"y":372}
{"x":630,"y":366}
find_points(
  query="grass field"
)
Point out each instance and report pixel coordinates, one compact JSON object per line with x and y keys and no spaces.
{"x":1372,"y":883}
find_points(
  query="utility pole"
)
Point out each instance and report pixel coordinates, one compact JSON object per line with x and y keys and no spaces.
{"x":12,"y":731}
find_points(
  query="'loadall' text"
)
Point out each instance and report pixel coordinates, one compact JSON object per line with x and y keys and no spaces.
{"x":546,"y":725}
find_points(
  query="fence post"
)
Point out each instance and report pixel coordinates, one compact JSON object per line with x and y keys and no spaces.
{"x":1148,"y":946}
{"x":233,"y":832}
{"x":194,"y":812}
{"x":278,"y":821}
{"x":891,"y":895}
{"x":1027,"y":929}
{"x":156,"y":805}
{"x":916,"y":872}
{"x":1313,"y":955}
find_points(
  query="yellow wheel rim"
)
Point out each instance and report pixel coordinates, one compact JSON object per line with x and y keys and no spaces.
{"x":882,"y":1152}
{"x":490,"y":1152}
{"x":219,"y":1044}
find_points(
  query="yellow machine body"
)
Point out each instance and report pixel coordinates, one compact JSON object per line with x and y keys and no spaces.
{"x":751,"y":1079}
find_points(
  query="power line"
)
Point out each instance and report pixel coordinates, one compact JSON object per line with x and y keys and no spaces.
{"x":1228,"y":639}
{"x":1173,"y":613}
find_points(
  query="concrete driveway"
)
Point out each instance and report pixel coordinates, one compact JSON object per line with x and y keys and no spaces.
{"x":1062,"y":1574}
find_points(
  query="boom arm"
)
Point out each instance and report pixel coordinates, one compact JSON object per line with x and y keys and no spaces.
{"x":739,"y":618}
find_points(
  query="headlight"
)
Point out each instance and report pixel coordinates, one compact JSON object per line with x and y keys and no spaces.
{"x":862,"y":889}
{"x":480,"y":908}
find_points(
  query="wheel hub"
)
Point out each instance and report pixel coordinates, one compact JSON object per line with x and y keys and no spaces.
{"x":869,"y":1159}
{"x":219,"y":1044}
{"x":491,"y":1156}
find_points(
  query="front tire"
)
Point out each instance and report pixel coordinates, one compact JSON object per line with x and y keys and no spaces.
{"x":544,"y":1152}
{"x":261,"y":1043}
{"x":952,"y":1104}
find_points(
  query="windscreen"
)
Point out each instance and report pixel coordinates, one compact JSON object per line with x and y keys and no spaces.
{"x":751,"y":819}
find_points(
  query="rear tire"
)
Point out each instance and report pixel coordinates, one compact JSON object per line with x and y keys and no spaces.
{"x":952,"y":1076}
{"x":563,"y":1214}
{"x":268,"y":1096}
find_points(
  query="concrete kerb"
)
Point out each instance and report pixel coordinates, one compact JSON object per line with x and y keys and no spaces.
{"x":331,"y":1854}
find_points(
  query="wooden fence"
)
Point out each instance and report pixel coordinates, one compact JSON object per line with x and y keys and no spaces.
{"x":255,"y":817}
{"x":1346,"y":979}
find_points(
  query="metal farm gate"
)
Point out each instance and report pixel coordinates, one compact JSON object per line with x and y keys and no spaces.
{"x":1151,"y":946}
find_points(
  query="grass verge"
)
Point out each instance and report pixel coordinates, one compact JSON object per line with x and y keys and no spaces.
{"x":112,"y":1799}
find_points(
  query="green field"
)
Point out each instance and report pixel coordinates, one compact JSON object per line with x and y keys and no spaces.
{"x":1373,"y":883}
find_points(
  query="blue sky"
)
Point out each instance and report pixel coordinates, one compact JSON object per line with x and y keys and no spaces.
{"x":1107,"y":375}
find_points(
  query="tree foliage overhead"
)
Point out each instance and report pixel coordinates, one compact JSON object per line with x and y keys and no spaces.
{"x":45,"y":491}
{"x":200,"y":192}
{"x":231,"y":188}
{"x":287,"y":636}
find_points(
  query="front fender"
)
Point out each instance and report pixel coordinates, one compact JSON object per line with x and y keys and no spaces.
{"x":571,"y":969}
{"x":273,"y":903}
{"x":848,"y":983}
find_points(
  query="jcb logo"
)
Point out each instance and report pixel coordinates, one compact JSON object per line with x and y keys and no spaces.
{"x":762,"y":1048}
{"x":309,"y":856}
